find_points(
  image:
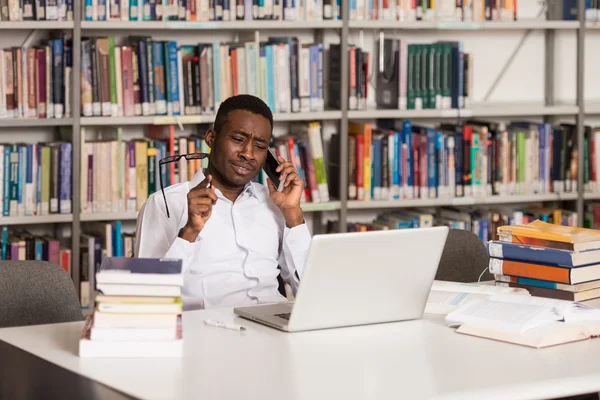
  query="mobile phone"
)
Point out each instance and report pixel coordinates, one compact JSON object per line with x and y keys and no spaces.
{"x":270,"y":169}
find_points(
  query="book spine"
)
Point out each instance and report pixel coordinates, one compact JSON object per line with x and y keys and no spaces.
{"x":65,"y":178}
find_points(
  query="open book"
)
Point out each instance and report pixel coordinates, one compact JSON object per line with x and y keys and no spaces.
{"x":446,"y":297}
{"x":526,"y":320}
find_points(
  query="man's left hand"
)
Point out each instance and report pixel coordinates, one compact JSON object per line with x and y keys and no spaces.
{"x":288,"y":200}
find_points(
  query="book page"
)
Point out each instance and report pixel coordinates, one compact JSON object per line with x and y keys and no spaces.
{"x":442,"y":302}
{"x":563,"y":307}
{"x":459,"y":287}
{"x":446,"y":297}
{"x":502,"y":316}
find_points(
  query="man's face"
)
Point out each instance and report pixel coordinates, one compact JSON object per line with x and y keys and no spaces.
{"x":239,"y":151}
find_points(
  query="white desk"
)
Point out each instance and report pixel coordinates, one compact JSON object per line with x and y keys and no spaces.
{"x":407,"y":360}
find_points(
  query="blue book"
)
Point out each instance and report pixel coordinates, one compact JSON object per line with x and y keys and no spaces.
{"x":144,"y":271}
{"x":102,"y":10}
{"x":313,"y":78}
{"x":89,"y":10}
{"x":158,"y":58}
{"x":407,"y":141}
{"x":39,"y":249}
{"x":117,"y":236}
{"x":65,"y":178}
{"x":4,"y":242}
{"x":431,"y":165}
{"x":458,"y":162}
{"x":396,"y":165}
{"x":174,"y":106}
{"x":543,"y":255}
{"x":143,"y":76}
{"x":377,"y":168}
{"x":269,"y":78}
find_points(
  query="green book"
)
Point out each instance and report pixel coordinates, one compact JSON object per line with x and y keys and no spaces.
{"x":476,"y":163}
{"x":418,"y":78}
{"x":112,"y":72}
{"x":410,"y":78}
{"x":424,"y":75}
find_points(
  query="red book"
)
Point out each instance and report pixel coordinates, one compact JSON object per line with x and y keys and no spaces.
{"x":127,"y":72}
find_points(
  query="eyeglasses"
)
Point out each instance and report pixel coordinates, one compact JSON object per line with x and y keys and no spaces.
{"x":171,"y":159}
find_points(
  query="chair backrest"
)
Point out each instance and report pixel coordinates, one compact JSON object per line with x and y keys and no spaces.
{"x":36,"y":292}
{"x":464,"y":258}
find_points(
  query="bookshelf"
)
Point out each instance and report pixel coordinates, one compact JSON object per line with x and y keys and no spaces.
{"x":344,"y":28}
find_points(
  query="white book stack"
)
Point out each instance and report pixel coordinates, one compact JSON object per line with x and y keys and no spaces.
{"x":138,"y":311}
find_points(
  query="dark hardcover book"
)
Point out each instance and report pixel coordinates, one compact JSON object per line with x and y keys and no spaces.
{"x":41,"y":83}
{"x":335,"y":78}
{"x":28,"y":10}
{"x":135,"y":76}
{"x":115,"y":270}
{"x":543,"y":255}
{"x":143,"y":75}
{"x":96,"y":105}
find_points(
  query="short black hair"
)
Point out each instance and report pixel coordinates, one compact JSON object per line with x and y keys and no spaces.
{"x":244,"y":102}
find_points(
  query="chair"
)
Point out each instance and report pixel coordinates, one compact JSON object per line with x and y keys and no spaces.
{"x":36,"y":292}
{"x":464,"y":258}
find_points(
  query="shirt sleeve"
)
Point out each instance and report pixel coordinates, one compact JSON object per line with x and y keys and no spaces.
{"x":157,"y":235}
{"x":294,"y":250}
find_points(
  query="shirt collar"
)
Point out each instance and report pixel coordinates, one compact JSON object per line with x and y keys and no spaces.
{"x":254,"y":189}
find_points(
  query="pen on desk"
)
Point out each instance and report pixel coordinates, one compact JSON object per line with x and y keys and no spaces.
{"x":220,"y":324}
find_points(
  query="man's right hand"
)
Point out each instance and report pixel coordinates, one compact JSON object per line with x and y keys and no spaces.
{"x":200,"y":202}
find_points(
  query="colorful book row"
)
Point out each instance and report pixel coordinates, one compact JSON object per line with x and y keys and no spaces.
{"x":37,"y":82}
{"x":399,"y":160}
{"x":210,"y":10}
{"x":146,"y":77}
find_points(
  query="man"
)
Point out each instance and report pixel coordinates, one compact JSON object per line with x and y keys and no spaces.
{"x":230,"y":232}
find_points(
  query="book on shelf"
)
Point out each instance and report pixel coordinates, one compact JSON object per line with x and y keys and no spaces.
{"x":483,"y":221}
{"x":526,"y":320}
{"x":150,"y":77}
{"x":396,"y":160}
{"x":434,"y":11}
{"x":36,"y":179}
{"x":127,"y":321}
{"x":37,"y":81}
{"x":205,"y":10}
{"x":28,"y":10}
{"x":567,"y":10}
{"x":22,"y":245}
{"x":137,"y":174}
{"x":409,"y":76}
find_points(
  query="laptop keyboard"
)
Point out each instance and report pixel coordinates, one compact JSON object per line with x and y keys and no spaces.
{"x":284,"y":316}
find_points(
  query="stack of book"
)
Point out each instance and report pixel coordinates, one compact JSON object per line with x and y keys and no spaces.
{"x":548,"y":260}
{"x":138,"y":310}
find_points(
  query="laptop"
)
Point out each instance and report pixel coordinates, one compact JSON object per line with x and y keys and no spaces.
{"x":359,"y":278}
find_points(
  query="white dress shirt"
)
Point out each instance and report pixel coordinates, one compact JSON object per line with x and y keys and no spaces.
{"x":234,"y":260}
